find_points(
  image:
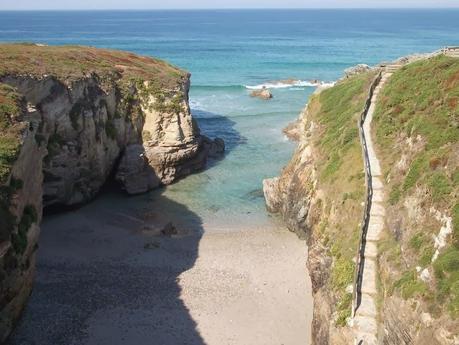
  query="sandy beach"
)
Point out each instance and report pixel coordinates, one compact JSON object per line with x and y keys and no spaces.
{"x":105,"y":276}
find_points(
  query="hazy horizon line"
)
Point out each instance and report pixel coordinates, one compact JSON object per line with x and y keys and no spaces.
{"x":228,"y":9}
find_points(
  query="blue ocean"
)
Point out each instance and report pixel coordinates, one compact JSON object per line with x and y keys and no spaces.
{"x":230,"y":53}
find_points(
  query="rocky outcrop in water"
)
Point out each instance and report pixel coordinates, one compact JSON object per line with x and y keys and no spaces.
{"x":72,"y":118}
{"x":262,"y":94}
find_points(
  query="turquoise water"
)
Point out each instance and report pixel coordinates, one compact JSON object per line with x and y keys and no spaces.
{"x":228,"y":50}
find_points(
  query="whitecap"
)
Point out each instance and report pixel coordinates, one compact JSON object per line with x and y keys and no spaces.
{"x":293,"y":84}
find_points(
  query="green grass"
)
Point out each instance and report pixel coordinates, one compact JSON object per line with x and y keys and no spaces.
{"x":423,"y":246}
{"x":10,"y":130}
{"x":342,"y":273}
{"x":410,"y":286}
{"x":456,"y":225}
{"x":395,"y":194}
{"x":344,"y":310}
{"x":74,"y":62}
{"x":417,"y":241}
{"x":416,"y":102}
{"x":340,"y":108}
{"x":420,"y":102}
{"x":446,"y":270}
{"x":440,"y":186}
{"x":414,"y":173}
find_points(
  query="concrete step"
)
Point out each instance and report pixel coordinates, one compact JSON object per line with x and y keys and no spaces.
{"x":375,"y":228}
{"x":378,"y":196}
{"x":367,"y":307}
{"x":371,"y":250}
{"x":366,"y":325}
{"x":375,"y":168}
{"x":369,"y":276}
{"x":376,"y":183}
{"x":377,"y":210}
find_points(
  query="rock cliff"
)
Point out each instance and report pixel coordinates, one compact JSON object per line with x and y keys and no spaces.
{"x":416,"y":131}
{"x":72,"y":118}
{"x":320,"y":195}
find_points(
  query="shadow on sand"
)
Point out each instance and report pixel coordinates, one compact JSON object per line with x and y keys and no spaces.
{"x":103,"y":277}
{"x":105,"y":274}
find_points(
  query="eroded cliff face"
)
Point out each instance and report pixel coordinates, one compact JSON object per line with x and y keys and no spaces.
{"x":73,"y":117}
{"x":87,"y":128}
{"x":298,"y":199}
{"x":321,"y":192}
{"x":419,"y":154}
{"x":21,"y":186}
{"x":313,"y":200}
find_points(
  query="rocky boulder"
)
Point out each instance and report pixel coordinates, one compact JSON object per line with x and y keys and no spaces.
{"x":358,"y":69}
{"x":262,"y":94}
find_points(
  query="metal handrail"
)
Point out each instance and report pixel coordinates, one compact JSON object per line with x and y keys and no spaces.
{"x":358,"y":272}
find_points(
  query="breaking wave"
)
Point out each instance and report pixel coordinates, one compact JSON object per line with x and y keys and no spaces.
{"x":288,"y":84}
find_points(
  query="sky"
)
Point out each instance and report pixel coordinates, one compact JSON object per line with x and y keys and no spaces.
{"x":199,"y":4}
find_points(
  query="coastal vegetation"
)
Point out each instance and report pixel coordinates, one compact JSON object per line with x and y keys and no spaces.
{"x":10,"y":129}
{"x":71,"y":63}
{"x":416,"y":128}
{"x":10,"y":145}
{"x":341,"y":180}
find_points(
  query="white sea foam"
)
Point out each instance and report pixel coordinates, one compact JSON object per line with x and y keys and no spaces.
{"x":195,"y":104}
{"x":288,"y":84}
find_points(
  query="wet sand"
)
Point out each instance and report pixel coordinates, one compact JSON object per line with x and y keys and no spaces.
{"x":105,"y":276}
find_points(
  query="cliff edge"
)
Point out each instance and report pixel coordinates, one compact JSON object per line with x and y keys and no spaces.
{"x":321,"y":192}
{"x":71,"y":118}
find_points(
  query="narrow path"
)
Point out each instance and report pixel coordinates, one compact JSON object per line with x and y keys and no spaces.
{"x":365,"y":318}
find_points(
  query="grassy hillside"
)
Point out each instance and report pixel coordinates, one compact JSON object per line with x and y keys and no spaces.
{"x":416,"y":129}
{"x":338,"y":156}
{"x":73,"y":62}
{"x":10,"y":130}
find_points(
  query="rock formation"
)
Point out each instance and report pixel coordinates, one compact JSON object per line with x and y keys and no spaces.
{"x":71,"y":117}
{"x":320,"y":195}
{"x":360,"y":68}
{"x":262,"y":94}
{"x":313,"y":201}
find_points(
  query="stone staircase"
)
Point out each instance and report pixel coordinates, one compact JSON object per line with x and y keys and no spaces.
{"x":365,"y":319}
{"x":391,"y":68}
